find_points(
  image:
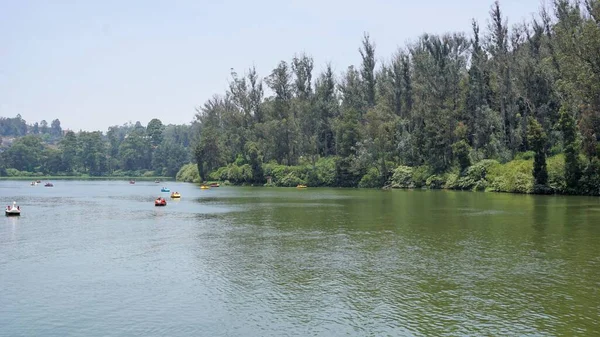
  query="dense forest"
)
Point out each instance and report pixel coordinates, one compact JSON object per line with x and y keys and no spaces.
{"x":505,"y":108}
{"x":127,"y":150}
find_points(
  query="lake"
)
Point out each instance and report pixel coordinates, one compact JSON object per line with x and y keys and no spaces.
{"x":96,"y":258}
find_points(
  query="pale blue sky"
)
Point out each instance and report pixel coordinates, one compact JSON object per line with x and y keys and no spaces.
{"x":93,"y":64}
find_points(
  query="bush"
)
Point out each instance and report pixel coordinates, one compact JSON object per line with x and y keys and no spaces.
{"x":420,"y":175}
{"x":451,"y":181}
{"x":435,"y":182}
{"x":371,"y":180}
{"x":188,"y":173}
{"x":524,"y":155}
{"x":402,"y":177}
{"x":325,"y":172}
{"x":291,"y":180}
{"x":220,"y":174}
{"x":513,"y":177}
{"x":148,"y":174}
{"x":475,"y":176}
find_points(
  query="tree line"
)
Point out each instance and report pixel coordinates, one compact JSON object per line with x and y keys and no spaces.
{"x":440,"y":105}
{"x":127,"y":150}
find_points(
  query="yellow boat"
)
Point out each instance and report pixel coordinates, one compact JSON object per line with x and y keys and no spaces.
{"x":301,"y":186}
{"x":204,"y":187}
{"x":175,"y":195}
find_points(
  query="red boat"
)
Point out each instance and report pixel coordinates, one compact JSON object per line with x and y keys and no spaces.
{"x":160,"y":202}
{"x":132,"y":182}
{"x":214,"y":185}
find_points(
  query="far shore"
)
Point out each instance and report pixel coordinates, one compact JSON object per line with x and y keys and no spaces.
{"x":46,"y":178}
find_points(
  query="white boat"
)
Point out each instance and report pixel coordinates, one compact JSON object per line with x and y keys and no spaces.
{"x":13,"y":210}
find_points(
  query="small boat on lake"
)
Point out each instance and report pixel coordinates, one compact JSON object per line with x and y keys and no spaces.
{"x":132,"y":182}
{"x":13,"y":210}
{"x":33,"y":183}
{"x":175,"y":195}
{"x":49,"y":185}
{"x":160,"y":202}
{"x":301,"y":186}
{"x":157,"y":181}
{"x":39,"y":181}
{"x":204,"y":187}
{"x":164,"y":189}
{"x":214,"y":185}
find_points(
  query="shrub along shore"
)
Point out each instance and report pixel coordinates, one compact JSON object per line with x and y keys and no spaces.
{"x":487,"y":175}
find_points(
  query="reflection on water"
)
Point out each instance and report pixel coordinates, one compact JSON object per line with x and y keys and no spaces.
{"x":272,"y":262}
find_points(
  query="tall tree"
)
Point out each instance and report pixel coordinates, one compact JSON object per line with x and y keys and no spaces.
{"x":367,"y":53}
{"x":56,"y":129}
{"x":280,"y":81}
{"x":537,"y":139}
{"x":568,"y":128}
{"x":155,"y":130}
{"x":69,"y":147}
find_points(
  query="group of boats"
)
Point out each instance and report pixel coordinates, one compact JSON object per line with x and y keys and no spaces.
{"x":35,"y":183}
{"x":160,"y":201}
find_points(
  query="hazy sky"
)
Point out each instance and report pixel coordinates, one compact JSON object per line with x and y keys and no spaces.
{"x":93,"y":64}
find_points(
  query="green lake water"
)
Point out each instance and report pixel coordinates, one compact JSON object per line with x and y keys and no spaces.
{"x":96,"y":258}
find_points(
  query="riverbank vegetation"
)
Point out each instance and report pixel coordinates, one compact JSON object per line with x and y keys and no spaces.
{"x":502,"y":108}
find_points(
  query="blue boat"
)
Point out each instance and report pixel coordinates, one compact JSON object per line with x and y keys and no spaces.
{"x":164,"y":189}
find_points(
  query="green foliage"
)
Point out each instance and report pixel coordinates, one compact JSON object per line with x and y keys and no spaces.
{"x":233,"y":173}
{"x":372,"y":179}
{"x":513,"y":177}
{"x":435,"y":182}
{"x":567,"y":126}
{"x":475,"y":177}
{"x":590,"y":178}
{"x":451,"y":181}
{"x":537,"y":140}
{"x":556,"y":173}
{"x":403,"y":177}
{"x":14,"y":127}
{"x":527,"y":155}
{"x":25,"y":154}
{"x":325,"y":172}
{"x":286,"y":176}
{"x":188,"y":173}
{"x":169,"y":157}
{"x":420,"y":175}
{"x":155,"y":130}
{"x":461,"y":152}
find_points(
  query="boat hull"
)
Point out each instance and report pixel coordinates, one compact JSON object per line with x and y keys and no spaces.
{"x":9,"y":213}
